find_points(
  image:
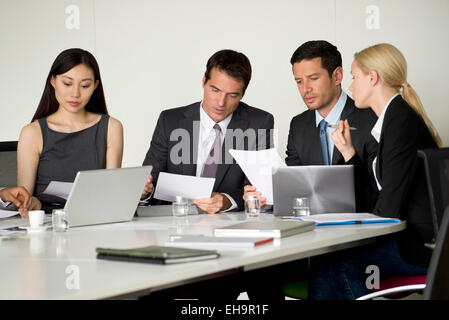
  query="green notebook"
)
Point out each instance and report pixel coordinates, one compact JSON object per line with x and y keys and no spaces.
{"x":156,"y":254}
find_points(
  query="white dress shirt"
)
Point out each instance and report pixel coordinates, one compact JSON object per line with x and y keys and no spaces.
{"x":206,"y":140}
{"x":376,"y":133}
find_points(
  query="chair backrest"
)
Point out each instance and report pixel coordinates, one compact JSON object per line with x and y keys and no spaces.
{"x":8,"y":164}
{"x":437,"y":283}
{"x":436,"y":164}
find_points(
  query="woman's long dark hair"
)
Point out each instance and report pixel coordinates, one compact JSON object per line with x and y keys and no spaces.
{"x":65,"y":61}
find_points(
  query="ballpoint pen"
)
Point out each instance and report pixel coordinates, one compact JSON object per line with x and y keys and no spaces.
{"x":334,"y":126}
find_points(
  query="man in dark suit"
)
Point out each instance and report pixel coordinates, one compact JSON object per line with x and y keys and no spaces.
{"x":318,"y":72}
{"x":195,"y":139}
{"x":317,"y":68}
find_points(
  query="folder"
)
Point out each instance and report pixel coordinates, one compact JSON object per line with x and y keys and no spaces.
{"x":156,"y":254}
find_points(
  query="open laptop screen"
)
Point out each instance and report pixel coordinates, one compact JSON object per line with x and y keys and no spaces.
{"x":329,"y":188}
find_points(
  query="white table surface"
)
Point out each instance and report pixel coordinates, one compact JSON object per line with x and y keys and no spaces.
{"x":44,"y":265}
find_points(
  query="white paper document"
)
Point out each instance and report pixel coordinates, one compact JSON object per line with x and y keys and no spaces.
{"x":202,"y":241}
{"x":59,"y":189}
{"x":170,"y":185}
{"x":7,"y":214}
{"x":258,"y":167}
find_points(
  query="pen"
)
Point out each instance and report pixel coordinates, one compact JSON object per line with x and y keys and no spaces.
{"x":334,"y":126}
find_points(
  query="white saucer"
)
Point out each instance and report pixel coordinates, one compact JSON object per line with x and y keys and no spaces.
{"x":38,"y":229}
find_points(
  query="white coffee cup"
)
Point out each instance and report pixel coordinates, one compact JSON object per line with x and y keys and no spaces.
{"x":36,"y":218}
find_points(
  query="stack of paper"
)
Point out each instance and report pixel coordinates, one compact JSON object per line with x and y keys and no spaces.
{"x":7,"y":214}
{"x":201,"y":241}
{"x":258,"y":228}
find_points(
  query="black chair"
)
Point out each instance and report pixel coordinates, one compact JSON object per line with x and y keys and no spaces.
{"x":436,"y":164}
{"x":8,"y":164}
{"x":437,"y":284}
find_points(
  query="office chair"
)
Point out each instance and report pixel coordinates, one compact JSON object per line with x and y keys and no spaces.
{"x":8,"y":164}
{"x":437,"y":283}
{"x":436,"y":166}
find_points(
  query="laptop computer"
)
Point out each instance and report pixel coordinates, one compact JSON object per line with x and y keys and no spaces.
{"x":161,"y":211}
{"x":329,"y":188}
{"x":105,"y":196}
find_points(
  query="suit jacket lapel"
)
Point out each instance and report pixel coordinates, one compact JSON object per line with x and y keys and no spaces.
{"x":191,"y":123}
{"x":311,"y":143}
{"x":237,"y":122}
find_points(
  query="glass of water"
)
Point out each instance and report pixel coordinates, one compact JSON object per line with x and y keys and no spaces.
{"x":301,"y":207}
{"x":252,"y":206}
{"x":59,"y":220}
{"x":180,"y":207}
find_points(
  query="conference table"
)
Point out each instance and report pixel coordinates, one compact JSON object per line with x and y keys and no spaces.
{"x":63,"y":265}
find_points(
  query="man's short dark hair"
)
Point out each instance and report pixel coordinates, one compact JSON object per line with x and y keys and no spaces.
{"x":329,"y":54}
{"x":234,"y":63}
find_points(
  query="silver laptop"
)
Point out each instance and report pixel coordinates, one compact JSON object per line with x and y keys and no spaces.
{"x":105,"y":196}
{"x":161,"y":211}
{"x":329,"y":188}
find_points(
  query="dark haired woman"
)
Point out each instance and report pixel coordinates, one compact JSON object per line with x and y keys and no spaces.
{"x":71,"y":129}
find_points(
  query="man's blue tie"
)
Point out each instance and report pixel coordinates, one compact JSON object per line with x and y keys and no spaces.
{"x":323,"y":140}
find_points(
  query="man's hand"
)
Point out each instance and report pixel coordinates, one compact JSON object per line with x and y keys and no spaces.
{"x":342,"y":140}
{"x":17,"y":195}
{"x":216,"y":203}
{"x":250,"y":190}
{"x":148,"y":188}
{"x":35,"y":204}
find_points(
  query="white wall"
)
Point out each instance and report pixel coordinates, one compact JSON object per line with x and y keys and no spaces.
{"x":152,"y":54}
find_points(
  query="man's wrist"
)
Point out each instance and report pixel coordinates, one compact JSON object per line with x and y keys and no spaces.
{"x":148,"y":197}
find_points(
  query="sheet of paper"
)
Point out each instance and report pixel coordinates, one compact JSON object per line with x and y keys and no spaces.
{"x":7,"y":214}
{"x":59,"y":189}
{"x":6,"y":233}
{"x":258,"y":167}
{"x":17,"y":221}
{"x":170,"y":185}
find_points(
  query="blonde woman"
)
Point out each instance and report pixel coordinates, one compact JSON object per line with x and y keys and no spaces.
{"x":380,"y":83}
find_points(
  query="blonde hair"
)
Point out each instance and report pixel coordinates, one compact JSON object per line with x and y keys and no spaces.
{"x":391,"y":66}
